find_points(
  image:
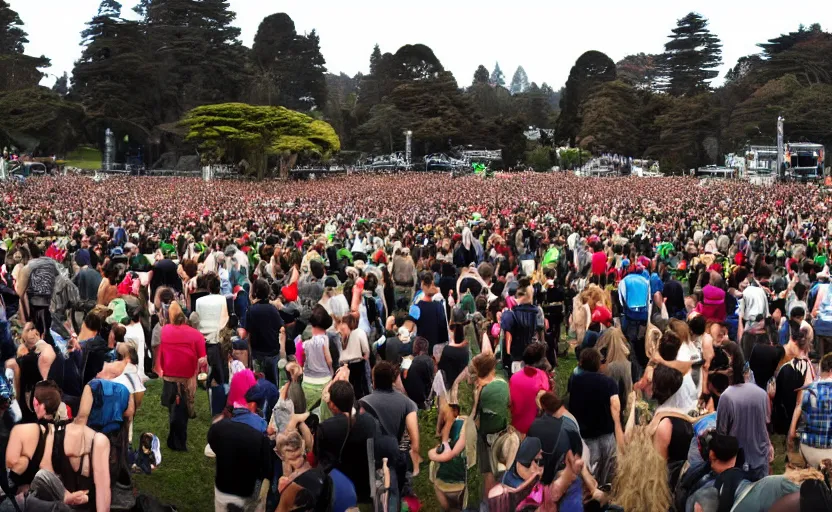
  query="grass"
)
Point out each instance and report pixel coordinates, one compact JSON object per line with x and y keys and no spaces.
{"x":186,"y":479}
{"x":84,"y":157}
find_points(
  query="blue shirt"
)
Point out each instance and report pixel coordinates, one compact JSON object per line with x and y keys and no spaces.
{"x":247,"y":417}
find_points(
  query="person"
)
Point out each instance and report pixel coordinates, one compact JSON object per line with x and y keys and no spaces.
{"x":301,"y":487}
{"x":491,"y":413}
{"x":594,"y":401}
{"x":520,"y":326}
{"x":753,"y":312}
{"x":744,"y":412}
{"x":450,"y":482}
{"x":396,"y":413}
{"x":615,"y":362}
{"x":431,"y":321}
{"x":87,"y":279}
{"x":525,"y":386}
{"x":732,"y":489}
{"x":317,"y":361}
{"x":634,"y":295}
{"x":34,"y":363}
{"x":263,"y":324}
{"x":790,"y":379}
{"x":355,"y":353}
{"x":712,"y":306}
{"x":527,"y":463}
{"x":243,"y":457}
{"x":181,"y":353}
{"x":815,"y":406}
{"x":418,"y":373}
{"x":341,"y":440}
{"x":74,"y":452}
{"x":455,"y":356}
{"x":821,"y":312}
{"x":673,"y":434}
{"x":553,"y":298}
{"x":135,"y":334}
{"x":35,"y":286}
{"x":213,"y":317}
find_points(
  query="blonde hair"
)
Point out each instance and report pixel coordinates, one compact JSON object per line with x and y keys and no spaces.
{"x":616,"y":344}
{"x":595,"y":295}
{"x":650,"y":492}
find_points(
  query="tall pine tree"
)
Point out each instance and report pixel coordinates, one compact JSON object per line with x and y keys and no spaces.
{"x":520,"y":81}
{"x":690,"y":57}
{"x":480,"y":76}
{"x":497,"y":77}
{"x":17,"y":71}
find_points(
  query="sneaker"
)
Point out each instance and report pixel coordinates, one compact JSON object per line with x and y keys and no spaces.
{"x":209,"y":452}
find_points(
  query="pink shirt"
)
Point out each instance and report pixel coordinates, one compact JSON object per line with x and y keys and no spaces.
{"x":523,"y":388}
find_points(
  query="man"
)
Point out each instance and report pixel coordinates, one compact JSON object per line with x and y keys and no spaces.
{"x":634,"y":294}
{"x":35,"y":286}
{"x":394,"y":411}
{"x":594,"y":402}
{"x":521,"y":326}
{"x":744,"y":412}
{"x":263,"y":323}
{"x":731,"y":489}
{"x":341,"y":441}
{"x":815,"y":406}
{"x":243,"y":458}
{"x":753,"y":312}
{"x":431,"y":322}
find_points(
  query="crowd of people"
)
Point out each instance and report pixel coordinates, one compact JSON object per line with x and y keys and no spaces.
{"x":325,"y":319}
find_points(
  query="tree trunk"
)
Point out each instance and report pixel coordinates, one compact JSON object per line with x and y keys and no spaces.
{"x":286,"y":163}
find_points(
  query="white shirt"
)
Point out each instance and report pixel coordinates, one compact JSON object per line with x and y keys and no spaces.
{"x":357,"y":346}
{"x":135,"y":333}
{"x":130,"y":379}
{"x":209,"y":308}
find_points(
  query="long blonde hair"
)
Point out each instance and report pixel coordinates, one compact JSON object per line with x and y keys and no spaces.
{"x":616,"y":344}
{"x":649,"y":492}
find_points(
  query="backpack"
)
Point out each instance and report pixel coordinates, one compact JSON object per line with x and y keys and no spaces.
{"x":372,"y":310}
{"x":110,"y":400}
{"x":42,"y":278}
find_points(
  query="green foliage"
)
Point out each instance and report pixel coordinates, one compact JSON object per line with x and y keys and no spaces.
{"x":591,"y":69}
{"x":289,"y":68}
{"x":608,"y":119}
{"x":570,"y":158}
{"x":520,"y":81}
{"x":540,"y":158}
{"x":497,"y":76}
{"x":684,"y":128}
{"x":639,"y":70}
{"x":231,"y":131}
{"x":39,"y":119}
{"x":690,"y":57}
{"x":481,"y":75}
{"x":17,"y":71}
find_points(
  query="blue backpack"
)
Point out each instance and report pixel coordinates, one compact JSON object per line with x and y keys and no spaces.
{"x":110,"y":400}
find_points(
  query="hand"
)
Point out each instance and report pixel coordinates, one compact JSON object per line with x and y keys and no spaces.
{"x":76,"y":498}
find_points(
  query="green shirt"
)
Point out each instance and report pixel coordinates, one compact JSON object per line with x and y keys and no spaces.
{"x":493,"y":407}
{"x":453,"y":471}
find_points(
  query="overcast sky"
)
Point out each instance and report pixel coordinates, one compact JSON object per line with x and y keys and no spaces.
{"x":544,"y":36}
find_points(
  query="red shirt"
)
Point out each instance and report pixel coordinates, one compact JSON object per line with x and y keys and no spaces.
{"x":523,"y":388}
{"x":181,"y":347}
{"x":599,"y":263}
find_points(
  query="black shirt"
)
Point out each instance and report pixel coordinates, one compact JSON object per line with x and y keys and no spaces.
{"x":453,"y":362}
{"x":589,"y":402}
{"x":432,"y":324}
{"x":263,"y":323}
{"x":352,"y":461}
{"x":419,"y":379}
{"x":763,"y":362}
{"x":243,"y":456}
{"x":548,"y":429}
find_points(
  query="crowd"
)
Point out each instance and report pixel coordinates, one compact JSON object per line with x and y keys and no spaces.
{"x":324,"y":319}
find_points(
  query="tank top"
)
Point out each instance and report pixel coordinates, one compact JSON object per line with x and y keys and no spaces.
{"x":73,"y":480}
{"x":28,"y":475}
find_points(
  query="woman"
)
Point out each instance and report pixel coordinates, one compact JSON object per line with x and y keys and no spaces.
{"x":449,"y":482}
{"x":317,"y":363}
{"x":673,"y":431}
{"x":301,"y":487}
{"x":108,"y":290}
{"x":181,"y":353}
{"x":492,"y":397}
{"x":355,"y":352}
{"x":789,"y":380}
{"x":35,"y":359}
{"x":616,"y":363}
{"x":418,"y":373}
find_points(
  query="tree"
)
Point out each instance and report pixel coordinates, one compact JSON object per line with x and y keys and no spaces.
{"x":690,"y":57}
{"x":40,"y":121}
{"x":17,"y":70}
{"x":416,"y":62}
{"x":109,"y":79}
{"x":608,"y":119}
{"x":480,"y":75}
{"x":61,"y":85}
{"x":786,"y":41}
{"x":291,"y":66}
{"x":685,"y":128}
{"x":520,"y":81}
{"x":375,"y":58}
{"x":232,"y":131}
{"x":497,"y":77}
{"x":591,"y":69}
{"x":640,"y":70}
